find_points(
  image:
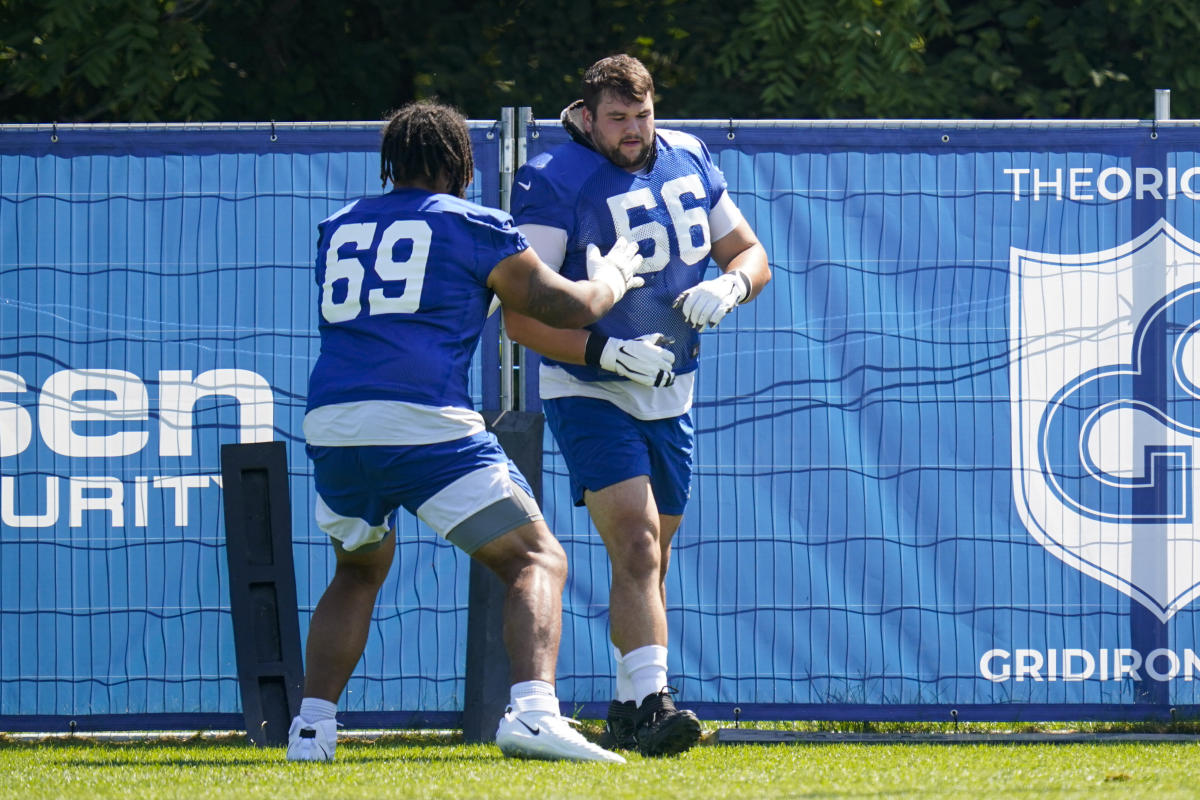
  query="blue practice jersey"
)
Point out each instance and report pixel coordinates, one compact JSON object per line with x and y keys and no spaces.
{"x":403,"y":297}
{"x":665,"y":210}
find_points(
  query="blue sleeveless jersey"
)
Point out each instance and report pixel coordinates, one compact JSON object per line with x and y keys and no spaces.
{"x":576,"y":189}
{"x":402,"y":297}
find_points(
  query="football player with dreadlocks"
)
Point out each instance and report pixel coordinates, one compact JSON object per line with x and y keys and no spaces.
{"x":404,"y":283}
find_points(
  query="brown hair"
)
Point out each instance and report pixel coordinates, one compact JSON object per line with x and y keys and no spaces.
{"x":622,"y":75}
{"x":424,"y":140}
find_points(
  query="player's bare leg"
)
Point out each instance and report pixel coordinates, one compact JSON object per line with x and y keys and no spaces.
{"x":627,"y":518}
{"x":337,"y":635}
{"x":668,"y":524}
{"x":341,"y":621}
{"x":533,"y":567}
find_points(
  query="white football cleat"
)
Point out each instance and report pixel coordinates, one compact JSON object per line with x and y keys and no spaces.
{"x":544,"y":734}
{"x":315,"y":741}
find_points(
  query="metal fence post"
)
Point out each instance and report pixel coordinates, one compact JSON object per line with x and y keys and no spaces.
{"x":1147,"y":632}
{"x":487,"y":675}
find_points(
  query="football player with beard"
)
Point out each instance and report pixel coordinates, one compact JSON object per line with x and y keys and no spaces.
{"x":617,"y":393}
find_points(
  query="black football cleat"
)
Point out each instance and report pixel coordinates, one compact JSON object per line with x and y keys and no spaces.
{"x":661,"y":729}
{"x":619,"y":726}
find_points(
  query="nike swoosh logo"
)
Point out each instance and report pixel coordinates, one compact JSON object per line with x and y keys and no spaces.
{"x":534,"y":731}
{"x":524,"y":186}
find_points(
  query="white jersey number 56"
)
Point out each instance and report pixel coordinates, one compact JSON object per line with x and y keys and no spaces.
{"x":411,"y":270}
{"x":683,"y":220}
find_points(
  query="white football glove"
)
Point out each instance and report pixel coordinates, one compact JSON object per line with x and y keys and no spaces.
{"x":616,"y":269}
{"x":643,"y":360}
{"x":707,"y":303}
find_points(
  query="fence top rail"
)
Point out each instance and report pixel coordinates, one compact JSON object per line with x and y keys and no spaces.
{"x":973,"y":124}
{"x":127,"y":127}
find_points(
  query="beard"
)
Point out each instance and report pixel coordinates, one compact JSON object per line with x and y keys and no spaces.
{"x":617,"y":157}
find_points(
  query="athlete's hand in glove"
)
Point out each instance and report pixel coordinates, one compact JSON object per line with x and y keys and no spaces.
{"x":616,"y":269}
{"x":643,"y":360}
{"x":707,"y":303}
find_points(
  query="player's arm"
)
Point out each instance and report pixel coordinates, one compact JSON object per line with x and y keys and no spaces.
{"x":565,"y":345}
{"x":525,"y":284}
{"x":740,"y":250}
{"x":744,"y":273}
{"x":644,"y":360}
{"x":534,"y":194}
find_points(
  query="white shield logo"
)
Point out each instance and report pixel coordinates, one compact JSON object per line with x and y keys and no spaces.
{"x":1105,"y":384}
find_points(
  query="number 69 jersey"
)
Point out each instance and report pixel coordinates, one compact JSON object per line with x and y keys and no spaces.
{"x":666,"y":209}
{"x":403,"y":296}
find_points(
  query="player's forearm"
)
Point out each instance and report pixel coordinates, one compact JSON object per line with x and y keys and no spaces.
{"x":752,"y":262}
{"x":571,"y":304}
{"x":562,"y":345}
{"x":524,"y":284}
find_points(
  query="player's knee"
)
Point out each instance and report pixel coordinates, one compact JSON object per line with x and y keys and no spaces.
{"x":548,"y":556}
{"x":552,"y":560}
{"x":636,"y":555}
{"x":368,"y":564}
{"x":542,"y":566}
{"x":368,"y":574}
{"x":538,"y":553}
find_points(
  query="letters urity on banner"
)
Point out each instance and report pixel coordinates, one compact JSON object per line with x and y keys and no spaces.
{"x":948,"y":460}
{"x":156,"y":302}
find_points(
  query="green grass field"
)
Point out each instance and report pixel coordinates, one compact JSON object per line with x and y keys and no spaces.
{"x":415,"y":766}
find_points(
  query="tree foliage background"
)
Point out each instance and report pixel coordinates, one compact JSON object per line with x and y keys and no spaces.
{"x":237,"y":60}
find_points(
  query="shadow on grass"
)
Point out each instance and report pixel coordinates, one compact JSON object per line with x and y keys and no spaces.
{"x":356,"y":759}
{"x":417,"y":748}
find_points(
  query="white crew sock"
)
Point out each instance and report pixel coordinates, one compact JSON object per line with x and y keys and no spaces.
{"x":647,"y":667}
{"x":533,"y":696}
{"x":314,"y":709}
{"x":624,"y":684}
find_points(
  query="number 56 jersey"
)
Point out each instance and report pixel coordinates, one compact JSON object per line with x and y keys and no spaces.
{"x":666,"y":208}
{"x":403,"y":297}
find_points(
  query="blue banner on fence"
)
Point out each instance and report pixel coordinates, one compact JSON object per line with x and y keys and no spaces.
{"x":157,"y":302}
{"x":946,"y":460}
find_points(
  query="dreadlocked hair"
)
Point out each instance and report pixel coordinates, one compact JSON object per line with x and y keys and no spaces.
{"x":425,"y":140}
